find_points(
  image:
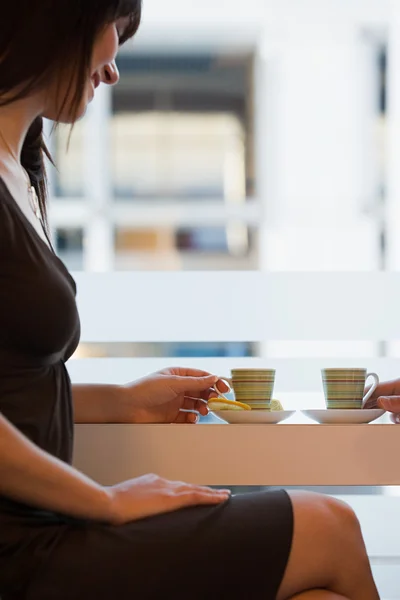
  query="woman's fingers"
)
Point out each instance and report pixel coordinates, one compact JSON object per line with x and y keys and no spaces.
{"x":187,"y":372}
{"x":197,"y":404}
{"x":395,"y":418}
{"x":204,"y":395}
{"x":193,"y":495}
{"x":193,"y":379}
{"x":384,"y":389}
{"x":223,"y":385}
{"x":207,"y":394}
{"x":150,"y":495}
{"x":192,"y":409}
{"x":211,"y":392}
{"x":389,"y":403}
{"x":371,"y":403}
{"x":188,"y":416}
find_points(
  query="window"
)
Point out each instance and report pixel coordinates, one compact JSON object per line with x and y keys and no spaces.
{"x":69,"y":244}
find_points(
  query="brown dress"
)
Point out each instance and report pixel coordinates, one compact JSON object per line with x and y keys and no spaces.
{"x":237,"y":550}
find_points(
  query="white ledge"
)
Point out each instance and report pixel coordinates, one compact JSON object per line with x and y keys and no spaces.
{"x":278,"y":455}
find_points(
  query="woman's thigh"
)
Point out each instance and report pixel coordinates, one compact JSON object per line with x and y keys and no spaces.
{"x":237,"y":550}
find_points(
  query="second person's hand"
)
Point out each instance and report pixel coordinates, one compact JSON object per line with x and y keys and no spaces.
{"x":387,"y":397}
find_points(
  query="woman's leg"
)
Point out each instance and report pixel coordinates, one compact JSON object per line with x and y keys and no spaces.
{"x":318,"y":595}
{"x":328,"y":550}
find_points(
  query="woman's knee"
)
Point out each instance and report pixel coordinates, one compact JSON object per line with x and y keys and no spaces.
{"x":318,"y":595}
{"x":327,"y":532}
{"x":327,"y":546}
{"x":324,"y":515}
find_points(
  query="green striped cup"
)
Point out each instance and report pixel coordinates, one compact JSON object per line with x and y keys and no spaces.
{"x":254,"y":387}
{"x":344,"y":388}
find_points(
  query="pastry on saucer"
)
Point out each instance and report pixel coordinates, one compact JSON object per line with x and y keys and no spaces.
{"x":224,"y":404}
{"x":276,"y":405}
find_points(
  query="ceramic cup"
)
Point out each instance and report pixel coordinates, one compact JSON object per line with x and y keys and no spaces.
{"x":253,"y":387}
{"x":344,"y":388}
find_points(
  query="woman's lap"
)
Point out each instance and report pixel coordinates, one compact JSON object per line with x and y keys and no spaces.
{"x":237,"y":550}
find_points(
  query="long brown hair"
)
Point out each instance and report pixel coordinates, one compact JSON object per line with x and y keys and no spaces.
{"x":42,"y":38}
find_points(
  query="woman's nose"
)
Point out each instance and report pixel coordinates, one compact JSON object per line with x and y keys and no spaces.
{"x":110,"y":73}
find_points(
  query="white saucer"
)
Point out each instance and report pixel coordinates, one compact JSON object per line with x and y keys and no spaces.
{"x":336,"y":416}
{"x":238,"y":417}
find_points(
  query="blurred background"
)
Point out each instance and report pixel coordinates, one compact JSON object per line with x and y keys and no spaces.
{"x":258,"y":135}
{"x":243,"y":136}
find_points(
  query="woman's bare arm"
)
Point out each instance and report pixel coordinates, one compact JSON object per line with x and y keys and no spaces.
{"x":31,"y":476}
{"x":99,"y":404}
{"x":34,"y":477}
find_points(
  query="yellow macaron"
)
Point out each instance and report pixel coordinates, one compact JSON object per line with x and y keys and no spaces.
{"x":276,"y":405}
{"x":222,"y":404}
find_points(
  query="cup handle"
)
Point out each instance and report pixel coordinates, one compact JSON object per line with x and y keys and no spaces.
{"x":372,"y":389}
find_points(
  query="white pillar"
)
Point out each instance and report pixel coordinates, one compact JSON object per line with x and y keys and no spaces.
{"x":267,"y":80}
{"x":317,"y":170}
{"x":393,"y":139}
{"x":99,"y":234}
{"x":392,"y":213}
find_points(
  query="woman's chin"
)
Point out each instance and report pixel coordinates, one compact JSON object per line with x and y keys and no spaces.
{"x":67,"y":117}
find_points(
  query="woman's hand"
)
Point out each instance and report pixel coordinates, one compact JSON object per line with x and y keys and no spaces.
{"x":159,"y":398}
{"x":151,"y":495}
{"x":387,"y":396}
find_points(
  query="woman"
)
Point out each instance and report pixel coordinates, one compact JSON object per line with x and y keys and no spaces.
{"x":62,"y":535}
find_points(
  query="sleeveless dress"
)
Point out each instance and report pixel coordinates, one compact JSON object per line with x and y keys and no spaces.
{"x":238,"y":550}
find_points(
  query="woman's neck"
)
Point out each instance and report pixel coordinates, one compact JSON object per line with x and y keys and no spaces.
{"x":15,"y":120}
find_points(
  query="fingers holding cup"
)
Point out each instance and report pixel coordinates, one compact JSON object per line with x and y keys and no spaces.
{"x":390,"y":404}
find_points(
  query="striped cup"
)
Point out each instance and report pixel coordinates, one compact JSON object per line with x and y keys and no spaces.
{"x":254,"y":387}
{"x":344,"y":388}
